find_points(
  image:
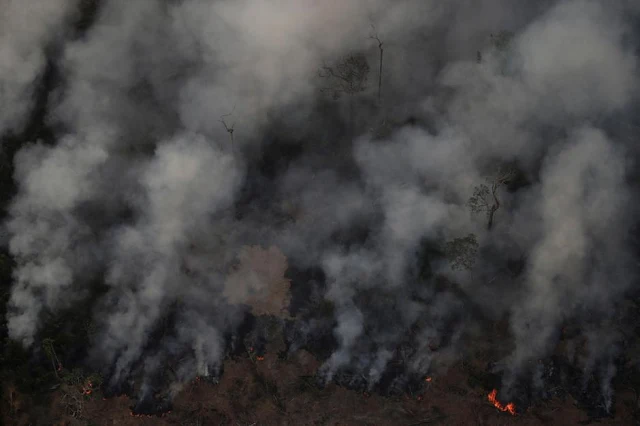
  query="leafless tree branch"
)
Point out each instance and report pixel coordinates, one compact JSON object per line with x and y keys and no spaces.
{"x":374,"y":36}
{"x":228,"y":128}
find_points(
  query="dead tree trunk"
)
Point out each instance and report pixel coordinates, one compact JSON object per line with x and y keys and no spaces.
{"x":352,"y":126}
{"x":229,"y":130}
{"x":494,"y":207}
{"x":490,"y":215}
{"x":376,"y":38}
{"x":380,"y":74}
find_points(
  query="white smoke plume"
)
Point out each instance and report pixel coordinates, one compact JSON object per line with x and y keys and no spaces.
{"x":579,"y":262}
{"x":28,"y":29}
{"x":147,"y":193}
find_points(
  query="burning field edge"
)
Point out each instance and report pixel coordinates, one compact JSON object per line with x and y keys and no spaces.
{"x":268,"y":385}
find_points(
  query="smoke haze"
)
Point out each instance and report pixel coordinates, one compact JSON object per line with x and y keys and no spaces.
{"x":147,"y":204}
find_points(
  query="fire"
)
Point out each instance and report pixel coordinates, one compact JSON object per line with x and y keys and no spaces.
{"x":428,"y":380}
{"x":260,"y":358}
{"x":87,"y":389}
{"x":510,"y":407}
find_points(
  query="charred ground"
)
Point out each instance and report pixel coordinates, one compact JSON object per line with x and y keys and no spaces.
{"x":308,"y":300}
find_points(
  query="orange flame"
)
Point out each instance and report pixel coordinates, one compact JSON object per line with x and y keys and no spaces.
{"x":510,"y":407}
{"x":260,"y":358}
{"x":428,"y":379}
{"x":88,"y":389}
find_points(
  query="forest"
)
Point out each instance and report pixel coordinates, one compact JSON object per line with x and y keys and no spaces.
{"x":338,"y":212}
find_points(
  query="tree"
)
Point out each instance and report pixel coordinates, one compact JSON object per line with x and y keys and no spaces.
{"x":461,"y":252}
{"x":485,"y":197}
{"x":374,"y":36}
{"x":229,"y":129}
{"x":349,"y":76}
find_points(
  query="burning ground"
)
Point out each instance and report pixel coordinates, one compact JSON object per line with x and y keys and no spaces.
{"x":422,"y":199}
{"x":276,"y":391}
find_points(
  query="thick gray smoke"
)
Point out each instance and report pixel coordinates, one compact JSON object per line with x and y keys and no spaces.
{"x":27,"y":30}
{"x":145,"y":190}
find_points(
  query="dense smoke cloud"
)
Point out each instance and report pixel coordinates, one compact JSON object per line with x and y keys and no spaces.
{"x":147,"y":193}
{"x":580,"y":265}
{"x":27,"y":31}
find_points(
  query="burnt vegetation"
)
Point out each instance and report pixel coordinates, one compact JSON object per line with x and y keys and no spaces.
{"x":315,"y":294}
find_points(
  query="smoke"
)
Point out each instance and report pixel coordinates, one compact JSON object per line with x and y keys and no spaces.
{"x":56,"y":248}
{"x":579,"y":265}
{"x":187,"y":181}
{"x":28,"y":31}
{"x":149,"y":207}
{"x":585,"y":39}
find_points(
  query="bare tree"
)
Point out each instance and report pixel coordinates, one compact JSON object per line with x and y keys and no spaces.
{"x":348,"y":76}
{"x":374,"y":36}
{"x":461,"y":252}
{"x":485,"y":197}
{"x":229,"y":129}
